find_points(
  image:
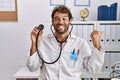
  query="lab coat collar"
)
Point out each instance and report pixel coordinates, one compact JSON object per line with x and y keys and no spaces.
{"x":72,"y":36}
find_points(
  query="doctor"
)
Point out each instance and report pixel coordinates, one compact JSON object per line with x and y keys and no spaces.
{"x":76,"y":56}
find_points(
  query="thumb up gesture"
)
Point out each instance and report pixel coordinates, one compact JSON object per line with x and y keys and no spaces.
{"x":96,"y":37}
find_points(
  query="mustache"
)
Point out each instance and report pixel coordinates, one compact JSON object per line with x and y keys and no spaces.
{"x":60,"y":25}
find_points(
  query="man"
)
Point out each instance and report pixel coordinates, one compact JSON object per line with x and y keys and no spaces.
{"x":76,"y":56}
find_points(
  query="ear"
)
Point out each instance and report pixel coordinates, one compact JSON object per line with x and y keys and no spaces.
{"x":70,"y":21}
{"x":52,"y":21}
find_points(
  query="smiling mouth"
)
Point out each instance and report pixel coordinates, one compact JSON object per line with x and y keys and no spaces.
{"x":60,"y":28}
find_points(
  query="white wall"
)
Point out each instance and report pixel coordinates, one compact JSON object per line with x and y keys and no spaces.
{"x":15,"y":36}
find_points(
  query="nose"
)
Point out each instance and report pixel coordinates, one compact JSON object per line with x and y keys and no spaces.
{"x":61,"y":21}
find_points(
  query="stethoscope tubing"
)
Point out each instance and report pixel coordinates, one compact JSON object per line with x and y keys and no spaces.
{"x":43,"y":61}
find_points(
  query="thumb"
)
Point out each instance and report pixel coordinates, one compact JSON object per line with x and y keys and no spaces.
{"x":102,"y":32}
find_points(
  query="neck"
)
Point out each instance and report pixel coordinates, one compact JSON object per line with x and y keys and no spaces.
{"x":62,"y":37}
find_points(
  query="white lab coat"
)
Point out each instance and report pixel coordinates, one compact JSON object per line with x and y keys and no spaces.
{"x":66,"y":68}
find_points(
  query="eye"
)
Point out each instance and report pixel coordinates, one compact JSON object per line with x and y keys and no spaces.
{"x":56,"y":19}
{"x":65,"y":18}
{"x":60,"y":18}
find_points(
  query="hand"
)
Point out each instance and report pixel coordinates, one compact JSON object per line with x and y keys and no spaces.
{"x":96,"y":37}
{"x":34,"y":35}
{"x":33,"y":39}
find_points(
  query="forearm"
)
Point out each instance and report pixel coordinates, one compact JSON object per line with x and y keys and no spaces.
{"x":33,"y":49}
{"x":97,"y":45}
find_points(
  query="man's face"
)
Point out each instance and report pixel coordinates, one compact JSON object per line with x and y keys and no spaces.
{"x":61,"y":22}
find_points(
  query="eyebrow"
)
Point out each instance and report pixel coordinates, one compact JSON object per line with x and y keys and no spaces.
{"x":57,"y":16}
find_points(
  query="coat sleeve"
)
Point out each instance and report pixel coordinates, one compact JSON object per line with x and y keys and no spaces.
{"x":33,"y":62}
{"x":97,"y":58}
{"x":94,"y":59}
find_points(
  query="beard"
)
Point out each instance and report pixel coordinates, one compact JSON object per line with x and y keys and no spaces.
{"x":61,"y":30}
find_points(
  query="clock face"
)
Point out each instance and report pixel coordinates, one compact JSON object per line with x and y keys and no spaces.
{"x":84,"y":13}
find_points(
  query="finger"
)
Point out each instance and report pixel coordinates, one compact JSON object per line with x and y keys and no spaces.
{"x":36,"y":29}
{"x":102,"y":32}
{"x":41,"y":32}
{"x":98,"y":32}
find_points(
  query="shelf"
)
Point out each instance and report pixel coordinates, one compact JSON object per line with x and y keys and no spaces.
{"x":25,"y":73}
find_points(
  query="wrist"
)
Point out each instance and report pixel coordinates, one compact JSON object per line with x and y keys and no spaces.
{"x":97,"y":46}
{"x":33,"y":49}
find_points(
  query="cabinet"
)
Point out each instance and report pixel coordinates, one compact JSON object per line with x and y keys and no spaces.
{"x":111,"y":32}
{"x":110,"y":39}
{"x":24,"y":74}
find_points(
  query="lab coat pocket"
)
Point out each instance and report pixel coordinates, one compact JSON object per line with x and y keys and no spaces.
{"x":70,"y":59}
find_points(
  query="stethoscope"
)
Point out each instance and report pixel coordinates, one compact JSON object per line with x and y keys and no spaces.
{"x":43,"y":61}
{"x":116,"y":72}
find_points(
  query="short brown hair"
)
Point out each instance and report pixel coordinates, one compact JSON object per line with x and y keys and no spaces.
{"x":62,"y":9}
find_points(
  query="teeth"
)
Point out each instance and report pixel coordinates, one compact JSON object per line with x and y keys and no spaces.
{"x":60,"y":27}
